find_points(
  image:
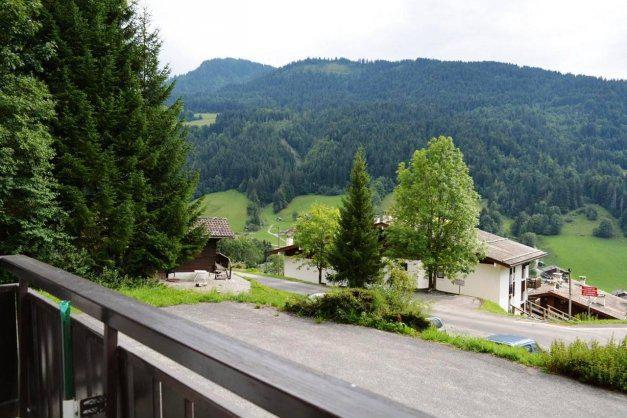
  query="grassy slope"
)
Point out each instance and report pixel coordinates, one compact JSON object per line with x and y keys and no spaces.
{"x":230,"y":204}
{"x":603,"y":261}
{"x":299,"y":204}
{"x":207,"y":119}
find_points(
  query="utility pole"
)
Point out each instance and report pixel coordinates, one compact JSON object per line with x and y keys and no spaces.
{"x":570,"y":294}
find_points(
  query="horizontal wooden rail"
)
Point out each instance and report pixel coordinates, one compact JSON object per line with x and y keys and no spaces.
{"x":278,"y":385}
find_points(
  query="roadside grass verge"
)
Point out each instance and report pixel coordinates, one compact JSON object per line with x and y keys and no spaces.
{"x":492,"y":307}
{"x":601,"y":365}
{"x":480,"y":345}
{"x":161,"y":295}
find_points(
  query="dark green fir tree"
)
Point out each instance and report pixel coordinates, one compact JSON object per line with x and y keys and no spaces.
{"x":356,"y":250}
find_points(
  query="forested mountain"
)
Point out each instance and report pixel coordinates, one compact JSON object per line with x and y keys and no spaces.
{"x":214,"y":74}
{"x":534,"y":140}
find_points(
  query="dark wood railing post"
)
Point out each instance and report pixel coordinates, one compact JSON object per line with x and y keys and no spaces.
{"x":111,"y":370}
{"x":23,"y":330}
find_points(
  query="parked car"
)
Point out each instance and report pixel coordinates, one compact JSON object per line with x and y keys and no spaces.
{"x":435,"y":322}
{"x":515,"y":341}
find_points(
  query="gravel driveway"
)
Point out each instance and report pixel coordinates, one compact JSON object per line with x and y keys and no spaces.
{"x":434,"y":378}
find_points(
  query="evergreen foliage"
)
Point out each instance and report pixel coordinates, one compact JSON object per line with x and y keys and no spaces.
{"x":120,"y":151}
{"x":356,"y":251}
{"x":436,"y":212}
{"x":533,"y":136}
{"x":30,"y":219}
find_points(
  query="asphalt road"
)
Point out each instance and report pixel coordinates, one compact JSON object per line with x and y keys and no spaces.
{"x":460,"y":315}
{"x":428,"y":376}
{"x":287,"y":285}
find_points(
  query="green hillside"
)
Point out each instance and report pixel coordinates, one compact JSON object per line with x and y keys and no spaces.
{"x":230,"y":204}
{"x":603,"y":261}
{"x":285,"y":218}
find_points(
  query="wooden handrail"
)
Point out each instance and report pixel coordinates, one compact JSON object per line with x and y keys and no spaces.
{"x":278,"y":385}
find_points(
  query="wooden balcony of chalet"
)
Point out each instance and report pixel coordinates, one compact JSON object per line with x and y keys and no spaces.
{"x":122,"y":380}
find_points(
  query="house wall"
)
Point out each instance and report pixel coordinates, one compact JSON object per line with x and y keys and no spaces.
{"x":297,"y":268}
{"x":205,"y":260}
{"x":488,"y":281}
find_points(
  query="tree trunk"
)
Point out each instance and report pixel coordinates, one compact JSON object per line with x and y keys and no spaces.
{"x":431,"y":280}
{"x":319,"y":275}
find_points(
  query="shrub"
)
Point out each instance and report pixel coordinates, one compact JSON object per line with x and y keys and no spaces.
{"x":591,"y":213}
{"x":376,"y":307}
{"x":244,"y":249}
{"x":275,"y":265}
{"x":605,"y":229}
{"x":591,"y":362}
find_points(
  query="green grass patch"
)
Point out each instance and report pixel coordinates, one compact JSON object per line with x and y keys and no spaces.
{"x":601,"y":260}
{"x":205,"y":119}
{"x":162,"y":295}
{"x":258,"y":272}
{"x":230,"y":204}
{"x":492,"y":307}
{"x":480,"y":345}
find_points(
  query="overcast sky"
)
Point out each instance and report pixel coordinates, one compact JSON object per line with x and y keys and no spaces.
{"x":581,"y":37}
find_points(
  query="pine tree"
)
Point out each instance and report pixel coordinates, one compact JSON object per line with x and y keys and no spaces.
{"x":356,"y":251}
{"x":120,"y":149}
{"x":30,"y":219}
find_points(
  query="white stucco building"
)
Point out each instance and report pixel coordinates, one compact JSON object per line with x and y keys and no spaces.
{"x":499,"y":277}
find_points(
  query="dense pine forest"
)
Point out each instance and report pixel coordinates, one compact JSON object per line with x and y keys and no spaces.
{"x":538,"y":143}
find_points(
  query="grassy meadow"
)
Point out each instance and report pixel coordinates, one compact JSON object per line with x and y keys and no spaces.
{"x":230,"y":204}
{"x":603,"y":261}
{"x":205,"y":119}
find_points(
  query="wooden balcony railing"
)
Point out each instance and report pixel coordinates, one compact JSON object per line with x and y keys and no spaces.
{"x":134,"y":386}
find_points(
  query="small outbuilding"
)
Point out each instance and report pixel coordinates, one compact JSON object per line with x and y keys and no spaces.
{"x":208,"y":259}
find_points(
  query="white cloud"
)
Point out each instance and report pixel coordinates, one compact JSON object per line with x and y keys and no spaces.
{"x":581,"y":37}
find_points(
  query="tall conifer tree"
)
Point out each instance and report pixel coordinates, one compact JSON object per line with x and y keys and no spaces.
{"x":120,"y":149}
{"x":356,"y":251}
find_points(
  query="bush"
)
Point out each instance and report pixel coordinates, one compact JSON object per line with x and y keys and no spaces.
{"x":376,"y":307}
{"x":244,"y":249}
{"x":591,"y":213}
{"x":605,"y":229}
{"x":529,"y":238}
{"x":275,"y":265}
{"x":591,"y":363}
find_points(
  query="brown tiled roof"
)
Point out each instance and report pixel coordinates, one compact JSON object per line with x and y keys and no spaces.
{"x":506,"y":251}
{"x":216,"y":227}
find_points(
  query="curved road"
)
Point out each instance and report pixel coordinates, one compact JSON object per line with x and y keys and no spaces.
{"x":461,"y":315}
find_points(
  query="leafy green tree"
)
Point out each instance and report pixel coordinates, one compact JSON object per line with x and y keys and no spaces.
{"x":30,"y":219}
{"x":356,"y":251}
{"x":436,"y":212}
{"x":605,"y":229}
{"x":314,"y":235}
{"x":529,"y":238}
{"x":243,"y":249}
